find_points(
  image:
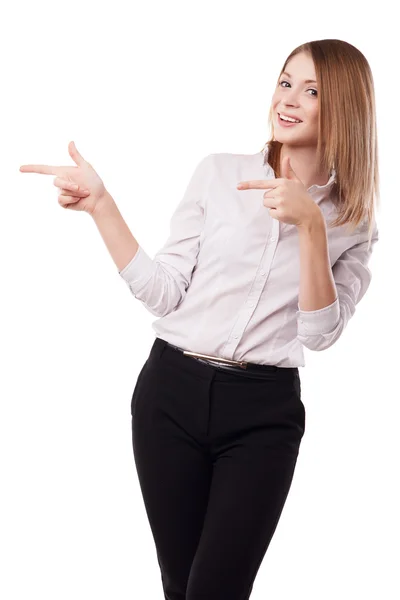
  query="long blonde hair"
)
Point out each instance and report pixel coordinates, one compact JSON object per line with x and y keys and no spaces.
{"x":347,"y":130}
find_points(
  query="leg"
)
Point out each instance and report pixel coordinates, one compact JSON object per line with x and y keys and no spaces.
{"x":245,"y":504}
{"x":172,"y":466}
{"x":255,"y":460}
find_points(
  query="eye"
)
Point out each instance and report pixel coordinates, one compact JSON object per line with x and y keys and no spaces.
{"x":283,"y":81}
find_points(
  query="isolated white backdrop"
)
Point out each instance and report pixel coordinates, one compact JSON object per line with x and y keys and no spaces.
{"x":145,"y":91}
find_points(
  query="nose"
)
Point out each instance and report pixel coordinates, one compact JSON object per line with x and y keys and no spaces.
{"x":290,"y":98}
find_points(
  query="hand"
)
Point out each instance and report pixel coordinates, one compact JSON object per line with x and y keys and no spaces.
{"x":81,"y":187}
{"x":288,"y":199}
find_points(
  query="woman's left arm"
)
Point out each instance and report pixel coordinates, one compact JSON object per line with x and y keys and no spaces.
{"x":328,"y":296}
{"x":317,"y":286}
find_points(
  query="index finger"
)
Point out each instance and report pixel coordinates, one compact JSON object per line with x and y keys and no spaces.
{"x":44,"y":169}
{"x":258,"y":184}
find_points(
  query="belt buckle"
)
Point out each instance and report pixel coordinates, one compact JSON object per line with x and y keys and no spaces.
{"x":242,"y":364}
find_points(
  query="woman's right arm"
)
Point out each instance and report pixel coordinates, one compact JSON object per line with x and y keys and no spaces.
{"x":160,"y":283}
{"x":115,"y":232}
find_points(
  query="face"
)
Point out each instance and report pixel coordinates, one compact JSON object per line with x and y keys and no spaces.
{"x":294,"y":97}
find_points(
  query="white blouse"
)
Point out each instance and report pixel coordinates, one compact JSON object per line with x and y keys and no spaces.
{"x":226,"y":281}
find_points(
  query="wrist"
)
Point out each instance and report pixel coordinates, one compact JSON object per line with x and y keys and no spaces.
{"x":315,"y":222}
{"x":104,"y":206}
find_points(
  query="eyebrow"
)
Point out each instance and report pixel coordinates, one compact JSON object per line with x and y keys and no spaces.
{"x":305,"y":81}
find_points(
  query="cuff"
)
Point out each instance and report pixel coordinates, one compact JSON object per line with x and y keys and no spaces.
{"x":138,"y":271}
{"x":323,"y":320}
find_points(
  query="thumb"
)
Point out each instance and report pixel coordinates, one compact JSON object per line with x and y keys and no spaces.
{"x":75,"y":155}
{"x":287,"y":170}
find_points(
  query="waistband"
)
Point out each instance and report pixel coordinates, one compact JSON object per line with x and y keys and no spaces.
{"x":240,"y":367}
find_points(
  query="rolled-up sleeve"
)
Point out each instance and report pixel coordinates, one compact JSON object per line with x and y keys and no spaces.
{"x":320,"y":329}
{"x":161,"y":283}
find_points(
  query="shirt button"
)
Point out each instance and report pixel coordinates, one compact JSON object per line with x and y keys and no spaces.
{"x":273,"y":239}
{"x":235,"y":336}
{"x":263,"y":274}
{"x":250,"y":303}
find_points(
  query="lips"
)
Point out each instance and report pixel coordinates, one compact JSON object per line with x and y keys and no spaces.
{"x":291,"y":116}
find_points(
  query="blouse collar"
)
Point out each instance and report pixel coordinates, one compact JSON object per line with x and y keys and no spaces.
{"x":328,"y":184}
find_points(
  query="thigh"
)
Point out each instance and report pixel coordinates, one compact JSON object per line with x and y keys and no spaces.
{"x":251,"y":479}
{"x":172,"y":467}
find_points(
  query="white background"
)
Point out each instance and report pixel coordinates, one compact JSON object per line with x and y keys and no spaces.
{"x":146,"y":90}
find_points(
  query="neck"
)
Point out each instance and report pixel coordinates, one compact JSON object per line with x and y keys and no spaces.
{"x":304,"y":163}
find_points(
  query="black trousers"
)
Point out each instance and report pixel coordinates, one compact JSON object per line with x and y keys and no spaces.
{"x":215,"y":454}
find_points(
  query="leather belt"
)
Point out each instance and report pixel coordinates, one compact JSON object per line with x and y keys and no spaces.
{"x":228,"y":364}
{"x":215,"y":359}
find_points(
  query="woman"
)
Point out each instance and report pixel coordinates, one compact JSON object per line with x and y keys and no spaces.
{"x":217,"y":415}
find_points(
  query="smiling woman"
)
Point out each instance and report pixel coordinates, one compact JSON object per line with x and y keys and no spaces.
{"x":316,"y":80}
{"x":244,"y":281}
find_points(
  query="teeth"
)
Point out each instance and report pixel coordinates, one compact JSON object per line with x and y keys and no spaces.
{"x":289,"y":119}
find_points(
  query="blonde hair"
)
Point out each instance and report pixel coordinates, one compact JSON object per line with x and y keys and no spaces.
{"x":347,"y":130}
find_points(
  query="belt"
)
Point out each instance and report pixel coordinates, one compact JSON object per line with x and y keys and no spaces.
{"x":226,"y":363}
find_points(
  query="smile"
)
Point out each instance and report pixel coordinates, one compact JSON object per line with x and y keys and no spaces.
{"x":284,"y":123}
